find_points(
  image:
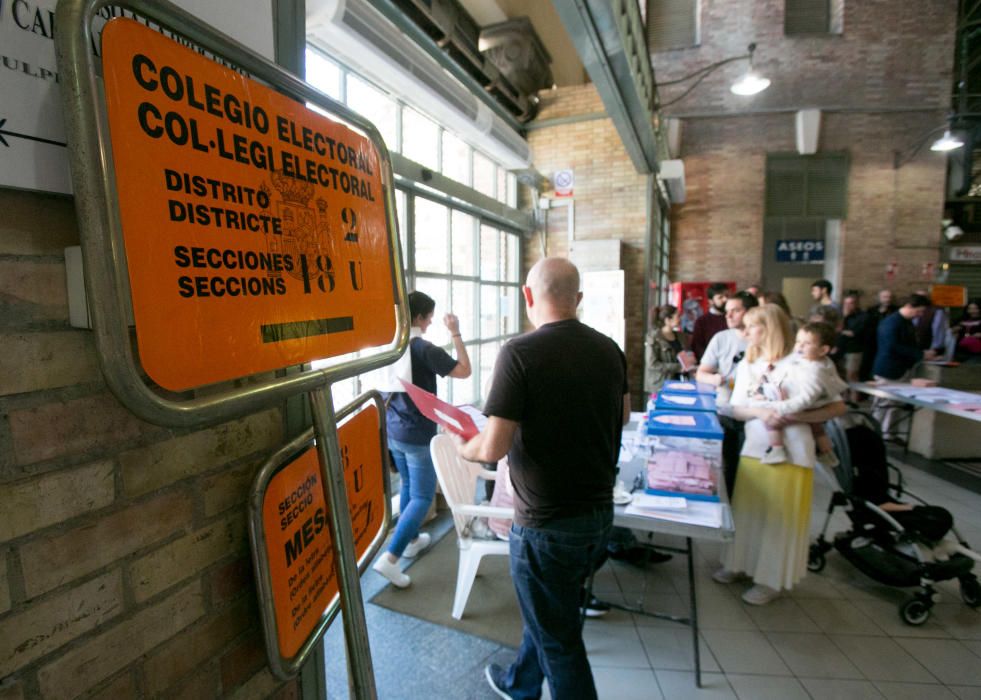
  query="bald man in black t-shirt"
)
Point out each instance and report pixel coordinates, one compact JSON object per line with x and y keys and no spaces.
{"x":556,"y":407}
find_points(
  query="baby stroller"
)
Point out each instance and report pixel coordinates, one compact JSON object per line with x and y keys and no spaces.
{"x":908,"y":548}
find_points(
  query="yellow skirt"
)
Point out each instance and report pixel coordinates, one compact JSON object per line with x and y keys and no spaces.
{"x":771,"y":511}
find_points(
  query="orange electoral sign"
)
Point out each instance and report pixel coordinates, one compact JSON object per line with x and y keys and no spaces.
{"x":254,"y":228}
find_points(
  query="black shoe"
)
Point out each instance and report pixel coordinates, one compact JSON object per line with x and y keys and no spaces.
{"x":639,"y":556}
{"x":495,"y":679}
{"x":596,"y":608}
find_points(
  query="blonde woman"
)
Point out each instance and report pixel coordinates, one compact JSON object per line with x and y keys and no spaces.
{"x":771,"y":506}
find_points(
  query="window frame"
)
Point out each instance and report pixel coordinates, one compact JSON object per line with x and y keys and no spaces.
{"x":412,"y":192}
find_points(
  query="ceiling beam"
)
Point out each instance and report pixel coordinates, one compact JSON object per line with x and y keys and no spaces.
{"x":605,"y":38}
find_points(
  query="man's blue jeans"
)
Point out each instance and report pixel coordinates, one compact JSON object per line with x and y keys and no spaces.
{"x":549,"y":566}
{"x":415,"y":465}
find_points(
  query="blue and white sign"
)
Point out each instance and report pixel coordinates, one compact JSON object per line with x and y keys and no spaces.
{"x":800,"y":251}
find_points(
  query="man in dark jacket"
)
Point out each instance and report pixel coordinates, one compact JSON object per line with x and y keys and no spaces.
{"x":852,"y":339}
{"x":707,"y":325}
{"x":873,"y":317}
{"x":897,"y":353}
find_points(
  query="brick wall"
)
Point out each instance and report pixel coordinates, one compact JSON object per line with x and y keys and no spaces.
{"x":610,"y":199}
{"x":124,"y":563}
{"x":882,"y":84}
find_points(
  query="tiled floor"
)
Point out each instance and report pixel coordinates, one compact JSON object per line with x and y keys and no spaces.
{"x":837,"y":635}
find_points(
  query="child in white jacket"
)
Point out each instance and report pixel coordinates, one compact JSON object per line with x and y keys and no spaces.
{"x":821,"y":385}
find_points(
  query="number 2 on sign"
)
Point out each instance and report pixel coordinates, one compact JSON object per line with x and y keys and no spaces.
{"x":350,"y":219}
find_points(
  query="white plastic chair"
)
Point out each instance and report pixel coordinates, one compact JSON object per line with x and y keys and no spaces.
{"x":458,"y":481}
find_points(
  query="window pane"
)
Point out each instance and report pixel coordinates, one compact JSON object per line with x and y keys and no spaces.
{"x":420,"y":139}
{"x":462,"y":390}
{"x":502,"y":185}
{"x":489,"y":248}
{"x":431,"y":236}
{"x":510,"y":311}
{"x":400,"y":204}
{"x":464,"y":227}
{"x":512,"y":190}
{"x":456,"y":158}
{"x":343,"y":392}
{"x":372,"y":103}
{"x":439,"y":291}
{"x":323,"y":74}
{"x":490,"y":311}
{"x":463,"y":306}
{"x":512,"y":265}
{"x":484,"y":177}
{"x":488,"y":356}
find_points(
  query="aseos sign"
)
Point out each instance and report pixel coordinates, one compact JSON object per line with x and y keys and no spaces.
{"x":254,"y":228}
{"x":965,"y":253}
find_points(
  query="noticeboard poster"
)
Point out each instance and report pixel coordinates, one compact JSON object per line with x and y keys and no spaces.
{"x":255,"y":229}
{"x":295,"y":520}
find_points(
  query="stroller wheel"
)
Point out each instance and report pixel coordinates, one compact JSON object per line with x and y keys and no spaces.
{"x":971,"y":591}
{"x":815,"y":559}
{"x":914,"y":611}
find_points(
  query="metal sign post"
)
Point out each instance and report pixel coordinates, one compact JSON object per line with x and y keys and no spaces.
{"x":248,"y":232}
{"x":361,"y":675}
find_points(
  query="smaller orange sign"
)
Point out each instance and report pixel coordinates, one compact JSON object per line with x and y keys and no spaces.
{"x":948,"y":295}
{"x":296,"y":523}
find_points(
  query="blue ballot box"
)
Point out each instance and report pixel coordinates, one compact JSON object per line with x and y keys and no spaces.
{"x":679,"y":386}
{"x":673,"y":401}
{"x":684,"y":454}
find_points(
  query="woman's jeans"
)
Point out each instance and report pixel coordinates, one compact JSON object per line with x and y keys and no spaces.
{"x":415,"y":466}
{"x":549,"y":566}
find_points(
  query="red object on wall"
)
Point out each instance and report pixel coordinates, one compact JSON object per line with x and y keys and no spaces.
{"x":680,"y":292}
{"x":691,"y":298}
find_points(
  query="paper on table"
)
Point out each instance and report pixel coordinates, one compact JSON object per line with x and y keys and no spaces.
{"x":438,"y":411}
{"x":703,"y":513}
{"x":647,"y":500}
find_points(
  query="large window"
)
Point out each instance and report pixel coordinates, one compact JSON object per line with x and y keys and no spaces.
{"x":468,"y":265}
{"x":672,"y":24}
{"x":813,"y":17}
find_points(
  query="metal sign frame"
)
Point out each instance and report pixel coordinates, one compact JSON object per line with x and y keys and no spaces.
{"x":96,"y":202}
{"x":282,"y":667}
{"x":106,"y":278}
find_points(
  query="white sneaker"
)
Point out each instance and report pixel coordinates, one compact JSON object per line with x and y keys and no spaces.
{"x":481,"y":530}
{"x":828,"y":459}
{"x":391,"y":571}
{"x":760,"y":595}
{"x":774,"y":455}
{"x":416,"y":545}
{"x":726,"y":576}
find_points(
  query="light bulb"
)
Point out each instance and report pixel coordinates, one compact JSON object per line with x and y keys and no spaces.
{"x":750,"y":84}
{"x":947,"y":142}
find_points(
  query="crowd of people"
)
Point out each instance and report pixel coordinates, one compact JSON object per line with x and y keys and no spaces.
{"x":777,"y":378}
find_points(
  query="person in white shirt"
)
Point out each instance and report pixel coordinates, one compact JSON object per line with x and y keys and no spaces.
{"x":718,"y":368}
{"x":771,"y":505}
